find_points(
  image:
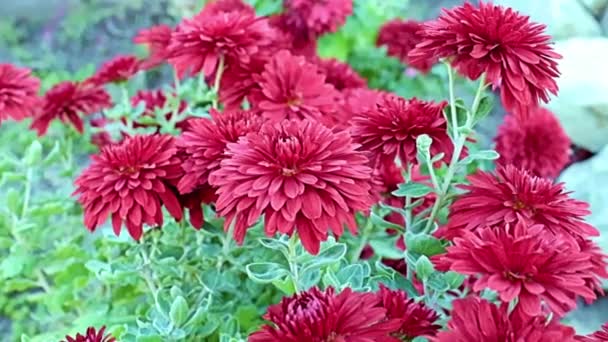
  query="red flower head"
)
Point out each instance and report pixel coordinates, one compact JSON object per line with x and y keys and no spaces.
{"x":203,"y":144}
{"x":390,"y":130}
{"x":400,"y":37}
{"x":340,"y":74}
{"x":415,"y":318}
{"x":222,"y":6}
{"x":514,"y":53}
{"x":157,"y":38}
{"x":292,"y":88}
{"x":130,"y":181}
{"x":317,"y":315}
{"x":512,"y":195}
{"x":199,"y":43}
{"x":117,"y":70}
{"x":153,"y":100}
{"x":598,"y":336}
{"x":299,"y":175}
{"x":91,"y":336}
{"x":297,"y":42}
{"x":238,"y":82}
{"x":67,"y":101}
{"x":520,"y":262}
{"x":18,"y":93}
{"x":537,"y":144}
{"x":312,"y":18}
{"x":475,"y":319}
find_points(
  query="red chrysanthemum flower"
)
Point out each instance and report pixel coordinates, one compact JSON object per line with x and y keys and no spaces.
{"x":475,"y":319}
{"x":390,"y":130}
{"x":300,"y":176}
{"x":117,"y":70}
{"x":400,"y":37}
{"x":154,"y":100}
{"x":67,"y":101}
{"x":520,"y":262}
{"x":131,"y":181}
{"x":238,"y":82}
{"x":157,"y":38}
{"x":314,"y":18}
{"x":317,"y":315}
{"x":91,"y":336}
{"x":514,"y":53}
{"x":222,"y":6}
{"x":357,"y":101}
{"x":292,"y":88}
{"x":598,"y":336}
{"x":512,"y":195}
{"x":537,"y":144}
{"x":297,"y":42}
{"x":340,"y":74}
{"x":199,"y":43}
{"x":204,"y":142}
{"x":415,"y":318}
{"x":18,"y":93}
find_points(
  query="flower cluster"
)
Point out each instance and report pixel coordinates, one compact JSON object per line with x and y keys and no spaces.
{"x":92,"y":335}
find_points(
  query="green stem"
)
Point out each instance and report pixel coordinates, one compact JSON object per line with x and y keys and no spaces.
{"x":478,"y":97}
{"x":408,"y":201}
{"x":216,"y":83}
{"x":453,"y":112}
{"x":362,"y":241}
{"x":293,"y":266}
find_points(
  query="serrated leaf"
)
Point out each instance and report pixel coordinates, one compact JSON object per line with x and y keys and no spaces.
{"x":266,"y":272}
{"x":424,"y":268}
{"x":351,"y":276}
{"x":385,"y":247}
{"x":423,"y":244}
{"x":414,"y":190}
{"x":327,"y":256}
{"x":485,"y":106}
{"x":437,"y":283}
{"x":454,"y":279}
{"x":179,"y":311}
{"x":274,"y":244}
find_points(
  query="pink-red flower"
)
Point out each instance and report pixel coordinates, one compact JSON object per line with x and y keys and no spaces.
{"x":298,"y":42}
{"x":130,"y":182}
{"x":475,"y":319}
{"x":238,"y":83}
{"x":537,"y":144}
{"x":298,"y":174}
{"x":400,"y":37}
{"x":157,"y":39}
{"x":67,"y":101}
{"x":598,"y":336}
{"x":340,"y":74}
{"x":521,"y":262}
{"x":18,"y":93}
{"x":390,"y":129}
{"x":292,"y":88}
{"x":317,"y":316}
{"x":514,"y":53}
{"x":117,"y":70}
{"x":92,"y":335}
{"x":214,"y":7}
{"x":511,"y":195}
{"x":312,"y":18}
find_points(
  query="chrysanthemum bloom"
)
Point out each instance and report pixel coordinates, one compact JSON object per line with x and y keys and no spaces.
{"x":91,"y":336}
{"x":317,"y":315}
{"x":154,"y":100}
{"x":415,"y":318}
{"x":514,"y":53}
{"x":298,"y":42}
{"x":238,"y":83}
{"x":214,"y":7}
{"x":475,"y":319}
{"x":340,"y":74}
{"x":537,"y":144}
{"x":157,"y":39}
{"x":67,"y":101}
{"x":18,"y":93}
{"x":390,"y":130}
{"x":131,"y":181}
{"x":520,"y":262}
{"x":117,"y":70}
{"x":314,"y":18}
{"x":300,"y":176}
{"x":400,"y":37}
{"x":511,"y":195}
{"x":203,"y":144}
{"x":292,"y":88}
{"x":199,"y":43}
{"x":598,"y":336}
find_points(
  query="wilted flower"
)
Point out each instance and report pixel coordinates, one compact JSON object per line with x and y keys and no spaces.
{"x":91,"y":336}
{"x":314,"y":18}
{"x":18,"y":93}
{"x":400,"y":37}
{"x":157,"y":38}
{"x":117,"y":70}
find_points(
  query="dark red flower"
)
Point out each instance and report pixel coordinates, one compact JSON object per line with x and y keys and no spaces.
{"x":312,"y":18}
{"x":204,"y":142}
{"x":514,"y":53}
{"x":18,"y":93}
{"x":292,"y":88}
{"x":475,"y":319}
{"x":157,"y":38}
{"x":67,"y":101}
{"x":297,"y":42}
{"x":598,"y":336}
{"x":400,"y":37}
{"x":318,"y":316}
{"x":415,"y":318}
{"x":357,"y":101}
{"x":214,"y":7}
{"x":131,"y":181}
{"x":340,"y":74}
{"x":299,"y":175}
{"x":154,"y":100}
{"x":91,"y":336}
{"x":390,"y":130}
{"x":199,"y":43}
{"x":520,"y":262}
{"x":511,"y":195}
{"x":238,"y":82}
{"x":537,"y":144}
{"x":101,"y":137}
{"x":117,"y":70}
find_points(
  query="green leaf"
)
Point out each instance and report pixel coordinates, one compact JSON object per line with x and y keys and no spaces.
{"x":423,"y":148}
{"x":485,"y":106}
{"x":33,"y":153}
{"x":480,"y":155}
{"x":53,"y":156}
{"x":275,"y":244}
{"x":179,"y":311}
{"x":351,"y":276}
{"x":414,"y":190}
{"x":385,"y":247}
{"x":401,"y":283}
{"x":453,"y":279}
{"x":381,"y":223}
{"x":424,"y":268}
{"x":309,"y":278}
{"x":437,"y":283}
{"x":265,"y":272}
{"x":285,"y":285}
{"x":13,"y":265}
{"x":423,"y":244}
{"x":327,"y":256}
{"x":13,"y":201}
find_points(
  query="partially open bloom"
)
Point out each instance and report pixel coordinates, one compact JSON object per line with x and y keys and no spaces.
{"x":67,"y":101}
{"x":415,"y":318}
{"x":18,"y":93}
{"x":157,"y":38}
{"x":475,"y":319}
{"x":340,"y":74}
{"x":317,"y":315}
{"x":514,"y":53}
{"x":299,"y":175}
{"x":390,"y":129}
{"x":92,"y":335}
{"x":130,"y":182}
{"x":314,"y":18}
{"x":400,"y":37}
{"x":117,"y":70}
{"x":537,"y":144}
{"x":598,"y":336}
